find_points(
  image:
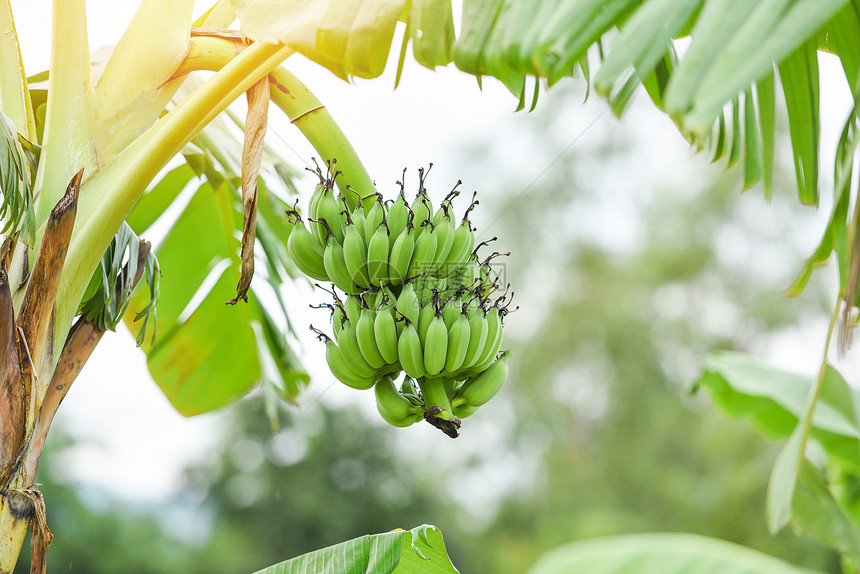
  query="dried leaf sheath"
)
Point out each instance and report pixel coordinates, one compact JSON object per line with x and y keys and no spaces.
{"x":13,"y":399}
{"x":252,"y":154}
{"x":37,"y":307}
{"x":40,"y":534}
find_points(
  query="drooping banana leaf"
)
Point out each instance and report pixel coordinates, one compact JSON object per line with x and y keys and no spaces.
{"x":208,"y":354}
{"x":417,"y":551}
{"x":789,"y":406}
{"x":732,"y":46}
{"x":661,"y":554}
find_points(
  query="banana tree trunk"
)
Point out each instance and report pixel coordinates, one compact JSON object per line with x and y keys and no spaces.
{"x":28,"y":401}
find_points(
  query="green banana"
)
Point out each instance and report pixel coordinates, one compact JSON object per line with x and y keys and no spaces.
{"x":461,"y":247}
{"x":348,"y":343}
{"x":435,"y":346}
{"x":477,"y":336}
{"x":305,"y":251}
{"x":421,"y":210}
{"x":385,"y":332}
{"x":424,"y":287}
{"x":401,"y":254}
{"x":385,"y":301}
{"x":464,"y":410}
{"x":355,"y":254}
{"x":478,"y":390}
{"x":423,"y":253}
{"x":374,"y":217}
{"x":377,"y":254}
{"x":492,"y":344}
{"x":398,"y":216}
{"x":446,"y":207}
{"x":392,"y":405}
{"x":313,"y":207}
{"x":328,"y":208}
{"x":444,"y":230}
{"x":468,"y":273}
{"x":407,"y":303}
{"x":335,"y":264}
{"x":458,"y":343}
{"x":352,"y":308}
{"x":402,"y":423}
{"x":364,"y":334}
{"x":425,"y":317}
{"x":377,"y":298}
{"x":451,"y":311}
{"x":358,"y":216}
{"x":409,"y":351}
{"x":341,"y":370}
{"x":421,"y":205}
{"x":338,"y":317}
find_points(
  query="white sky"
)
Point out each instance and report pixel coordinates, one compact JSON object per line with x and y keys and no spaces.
{"x":137,"y":443}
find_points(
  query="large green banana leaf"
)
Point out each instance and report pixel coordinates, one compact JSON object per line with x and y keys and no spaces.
{"x":207,"y":354}
{"x":417,"y":551}
{"x":661,"y":554}
{"x":778,"y":404}
{"x":774,"y":400}
{"x":718,"y":88}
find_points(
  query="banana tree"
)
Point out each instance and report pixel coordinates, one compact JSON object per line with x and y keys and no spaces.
{"x":82,"y":155}
{"x":70,"y":261}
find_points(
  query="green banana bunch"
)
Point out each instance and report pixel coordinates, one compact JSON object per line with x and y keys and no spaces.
{"x":417,"y":299}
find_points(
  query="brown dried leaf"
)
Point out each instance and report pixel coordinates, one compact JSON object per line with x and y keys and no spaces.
{"x":13,"y":400}
{"x":252,"y":154}
{"x":37,"y":308}
{"x":40,"y":534}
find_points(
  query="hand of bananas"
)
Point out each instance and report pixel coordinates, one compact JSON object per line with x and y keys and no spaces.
{"x":416,"y":299}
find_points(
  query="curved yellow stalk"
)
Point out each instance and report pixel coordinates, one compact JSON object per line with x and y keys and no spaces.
{"x":306,"y":112}
{"x":66,"y":147}
{"x":130,"y":94}
{"x":114,"y":191}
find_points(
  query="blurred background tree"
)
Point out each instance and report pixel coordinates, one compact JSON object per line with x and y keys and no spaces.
{"x":626,"y":278}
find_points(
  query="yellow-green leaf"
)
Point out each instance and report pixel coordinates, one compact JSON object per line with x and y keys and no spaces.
{"x":350,"y":38}
{"x":130,"y":94}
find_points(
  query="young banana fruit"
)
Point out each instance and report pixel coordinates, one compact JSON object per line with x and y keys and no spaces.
{"x":418,"y":300}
